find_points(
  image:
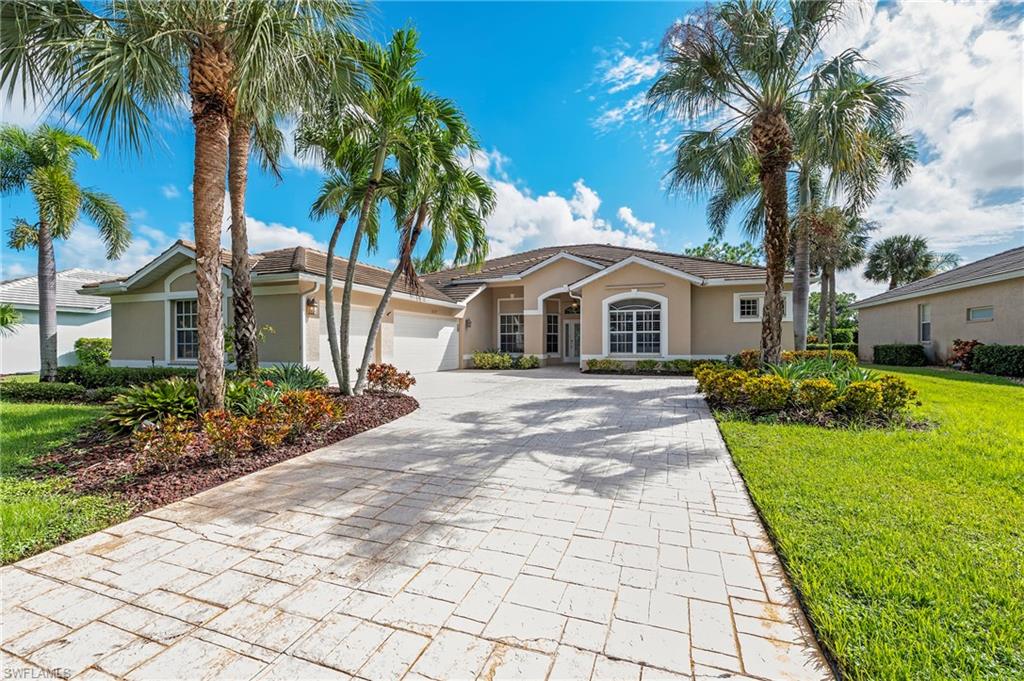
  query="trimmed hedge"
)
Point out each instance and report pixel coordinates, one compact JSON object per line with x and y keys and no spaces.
{"x":1001,"y":360}
{"x":17,"y":391}
{"x":93,"y":352}
{"x":900,"y":355}
{"x":118,"y":377}
{"x":848,"y":347}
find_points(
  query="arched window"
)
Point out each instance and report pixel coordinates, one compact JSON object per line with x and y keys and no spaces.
{"x":634,"y":327}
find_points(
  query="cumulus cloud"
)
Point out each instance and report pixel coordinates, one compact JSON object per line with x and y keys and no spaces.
{"x":623,"y":71}
{"x":631,"y":221}
{"x":522,"y":221}
{"x":267,"y":236}
{"x":12,"y":269}
{"x":170,"y":191}
{"x":966,"y":108}
{"x":85,"y":249}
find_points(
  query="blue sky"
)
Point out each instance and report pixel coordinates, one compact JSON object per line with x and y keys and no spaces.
{"x":553,"y":92}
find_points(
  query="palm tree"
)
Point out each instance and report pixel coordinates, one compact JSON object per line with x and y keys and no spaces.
{"x":381,"y":116}
{"x":902,"y":258}
{"x":435,"y":191}
{"x":745,"y":63}
{"x":43,"y":161}
{"x":838,"y":239}
{"x":113,"y":63}
{"x":255,"y":131}
{"x":10,"y":319}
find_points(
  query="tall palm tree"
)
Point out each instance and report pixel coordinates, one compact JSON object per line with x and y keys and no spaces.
{"x":255,"y":132}
{"x":745,"y":63}
{"x":838,"y":239}
{"x":43,"y":161}
{"x":111,"y":64}
{"x":381,"y":116}
{"x":902,"y":258}
{"x":437,"y":192}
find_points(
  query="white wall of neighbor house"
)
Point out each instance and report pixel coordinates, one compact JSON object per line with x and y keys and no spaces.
{"x":899,"y":321}
{"x":19,"y":352}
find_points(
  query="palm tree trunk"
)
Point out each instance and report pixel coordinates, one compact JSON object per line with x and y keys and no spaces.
{"x":47,"y":282}
{"x":350,"y":270}
{"x":831,"y":301}
{"x":776,"y":234}
{"x":892,"y":281}
{"x":209,"y":75}
{"x":378,"y":316}
{"x":823,"y":305}
{"x":332,"y":330}
{"x":801,"y":267}
{"x":246,"y":349}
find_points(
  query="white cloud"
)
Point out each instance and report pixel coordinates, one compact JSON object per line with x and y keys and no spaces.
{"x":267,"y":236}
{"x":85,"y":249}
{"x":10,"y":269}
{"x":623,"y":71}
{"x":966,"y":107}
{"x":522,"y":221}
{"x":626,"y":215}
{"x":24,"y":111}
{"x":170,"y":191}
{"x":291,"y":158}
{"x":616,"y":115}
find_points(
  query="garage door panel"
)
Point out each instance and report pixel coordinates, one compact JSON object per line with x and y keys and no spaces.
{"x":359,"y":330}
{"x":423,"y":343}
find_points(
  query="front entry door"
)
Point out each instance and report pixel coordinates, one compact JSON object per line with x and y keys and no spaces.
{"x":572,"y":340}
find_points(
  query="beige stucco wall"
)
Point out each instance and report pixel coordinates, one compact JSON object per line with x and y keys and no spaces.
{"x":897,"y":322}
{"x":137,"y":330}
{"x":640,"y":278}
{"x":281,"y":312}
{"x":552,"y":276}
{"x":713,"y":330}
{"x":478,"y":324}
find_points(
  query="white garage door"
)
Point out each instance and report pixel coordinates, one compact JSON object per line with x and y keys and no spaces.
{"x":425,"y":343}
{"x":359,"y":329}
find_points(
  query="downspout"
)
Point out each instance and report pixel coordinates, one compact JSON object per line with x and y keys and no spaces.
{"x":302,"y":321}
{"x":580,"y":348}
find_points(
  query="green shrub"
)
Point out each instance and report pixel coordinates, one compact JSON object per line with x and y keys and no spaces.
{"x":678,"y":366}
{"x":492,"y":360}
{"x":152,"y":403}
{"x":101,"y":395}
{"x":606,"y":365}
{"x":900,"y":355}
{"x":93,"y":352}
{"x":724,"y":386}
{"x":896,"y":394}
{"x":648,"y":365}
{"x":123,"y":377}
{"x":526,"y":362}
{"x":767,"y":392}
{"x":42,"y":392}
{"x":1002,"y":360}
{"x":842,"y":336}
{"x":244,"y":397}
{"x":747,"y":359}
{"x":815,"y":394}
{"x":862,"y":398}
{"x":837,"y":356}
{"x":848,"y":347}
{"x":294,"y":376}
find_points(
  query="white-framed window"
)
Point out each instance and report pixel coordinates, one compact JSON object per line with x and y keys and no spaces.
{"x":510,"y":332}
{"x":634,"y":327}
{"x":551,"y":333}
{"x":186,"y":329}
{"x":924,"y":323}
{"x":749,"y":307}
{"x":981,"y":314}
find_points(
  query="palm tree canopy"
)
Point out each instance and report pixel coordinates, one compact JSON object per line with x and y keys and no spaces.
{"x":116,"y":63}
{"x":903,"y":258}
{"x":43,"y":161}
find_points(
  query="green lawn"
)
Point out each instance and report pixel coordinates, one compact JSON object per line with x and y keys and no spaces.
{"x":907,"y":546}
{"x":36,"y":515}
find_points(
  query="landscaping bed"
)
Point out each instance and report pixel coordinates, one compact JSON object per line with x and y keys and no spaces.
{"x":905,"y":545}
{"x":98,"y":464}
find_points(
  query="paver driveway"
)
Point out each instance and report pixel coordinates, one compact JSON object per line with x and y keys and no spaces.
{"x":519,"y":525}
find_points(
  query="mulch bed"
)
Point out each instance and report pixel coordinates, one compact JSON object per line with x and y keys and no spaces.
{"x":96,"y":462}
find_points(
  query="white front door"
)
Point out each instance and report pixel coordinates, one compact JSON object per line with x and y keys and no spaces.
{"x":572,"y":340}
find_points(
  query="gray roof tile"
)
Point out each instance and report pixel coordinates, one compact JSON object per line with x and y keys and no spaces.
{"x":25,"y":291}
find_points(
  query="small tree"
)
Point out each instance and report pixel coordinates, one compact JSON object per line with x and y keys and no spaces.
{"x":902,"y":258}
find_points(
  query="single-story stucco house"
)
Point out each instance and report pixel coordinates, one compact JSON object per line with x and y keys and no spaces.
{"x":78,"y":316}
{"x":982,"y":300}
{"x":564,"y":304}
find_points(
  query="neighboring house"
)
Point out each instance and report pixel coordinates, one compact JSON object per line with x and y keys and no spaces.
{"x":78,"y":316}
{"x":563,"y":304}
{"x":983,"y":300}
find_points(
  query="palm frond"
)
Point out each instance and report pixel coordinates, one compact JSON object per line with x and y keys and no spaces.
{"x":111,"y":221}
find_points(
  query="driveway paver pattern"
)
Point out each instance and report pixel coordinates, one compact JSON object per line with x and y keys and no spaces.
{"x":520,"y":525}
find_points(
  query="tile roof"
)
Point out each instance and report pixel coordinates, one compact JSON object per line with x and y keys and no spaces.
{"x":600,"y":254}
{"x":994,"y":265}
{"x":25,"y":291}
